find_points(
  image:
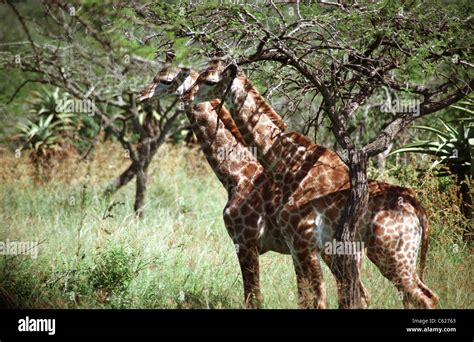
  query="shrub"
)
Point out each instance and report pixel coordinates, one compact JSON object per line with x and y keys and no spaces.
{"x":113,"y":270}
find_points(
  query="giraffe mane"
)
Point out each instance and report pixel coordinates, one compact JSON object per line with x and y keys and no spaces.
{"x":228,"y":122}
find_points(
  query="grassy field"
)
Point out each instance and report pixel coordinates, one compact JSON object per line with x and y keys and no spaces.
{"x":93,"y":252}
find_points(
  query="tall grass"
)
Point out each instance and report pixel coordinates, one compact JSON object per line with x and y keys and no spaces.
{"x":94,"y":253}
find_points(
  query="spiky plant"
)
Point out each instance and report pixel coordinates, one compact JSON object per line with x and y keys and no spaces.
{"x":82,"y":127}
{"x":453,"y":149}
{"x":41,"y":137}
{"x":47,"y":103}
{"x":47,"y":132}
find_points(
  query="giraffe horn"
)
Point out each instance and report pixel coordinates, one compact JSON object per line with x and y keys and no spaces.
{"x":170,"y":55}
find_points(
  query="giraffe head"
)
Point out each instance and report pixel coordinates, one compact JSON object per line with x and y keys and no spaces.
{"x":188,"y":87}
{"x":168,"y":79}
{"x":210,"y":84}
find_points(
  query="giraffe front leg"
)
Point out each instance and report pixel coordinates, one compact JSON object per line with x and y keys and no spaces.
{"x":249,"y":266}
{"x":365,"y":295}
{"x":309,"y":280}
{"x":304,"y":250}
{"x":345,"y":282}
{"x":341,"y":292}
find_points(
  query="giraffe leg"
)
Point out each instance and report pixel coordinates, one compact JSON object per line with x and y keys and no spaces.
{"x":404,"y":277}
{"x":245,"y":242}
{"x":429,"y":293}
{"x":395,"y":256}
{"x":416,"y":293}
{"x":309,"y":279}
{"x":413,"y":295}
{"x":341,"y":292}
{"x":304,"y":291}
{"x":249,"y":266}
{"x":365,"y":295}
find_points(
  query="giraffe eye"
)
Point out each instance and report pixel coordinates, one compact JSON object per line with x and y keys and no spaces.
{"x":210,"y":83}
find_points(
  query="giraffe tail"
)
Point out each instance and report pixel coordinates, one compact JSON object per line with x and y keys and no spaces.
{"x":425,"y":227}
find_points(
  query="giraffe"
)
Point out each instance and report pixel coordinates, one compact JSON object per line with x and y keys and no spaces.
{"x":314,"y":185}
{"x":248,"y":214}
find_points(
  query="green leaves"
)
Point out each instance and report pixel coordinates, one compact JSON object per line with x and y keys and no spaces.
{"x":452,"y":145}
{"x":40,"y":133}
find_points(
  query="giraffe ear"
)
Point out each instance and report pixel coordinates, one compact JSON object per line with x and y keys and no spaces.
{"x":231,"y":70}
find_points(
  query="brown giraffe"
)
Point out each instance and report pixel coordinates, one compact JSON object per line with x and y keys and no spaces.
{"x":251,"y":195}
{"x":314,"y":185}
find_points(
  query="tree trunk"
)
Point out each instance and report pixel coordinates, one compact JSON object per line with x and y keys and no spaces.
{"x":122,"y":180}
{"x":138,"y":168}
{"x":140,"y":192}
{"x":464,"y":189}
{"x":150,"y":139}
{"x":145,"y":152}
{"x":355,"y":209}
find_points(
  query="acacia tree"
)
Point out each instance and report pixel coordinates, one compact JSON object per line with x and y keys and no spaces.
{"x":87,"y":52}
{"x":345,"y":56}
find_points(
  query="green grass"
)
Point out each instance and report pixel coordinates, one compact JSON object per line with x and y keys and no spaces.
{"x":179,"y":255}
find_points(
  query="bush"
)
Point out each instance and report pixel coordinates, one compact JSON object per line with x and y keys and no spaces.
{"x":113,"y":270}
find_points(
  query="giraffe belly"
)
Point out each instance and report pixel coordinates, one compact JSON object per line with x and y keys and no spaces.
{"x":322,"y":231}
{"x":325,"y":236}
{"x":271,"y":239}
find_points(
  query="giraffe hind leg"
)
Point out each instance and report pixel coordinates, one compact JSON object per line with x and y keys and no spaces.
{"x":249,"y":265}
{"x":405,"y":279}
{"x":414,"y":296}
{"x":363,"y":290}
{"x":433,"y":297}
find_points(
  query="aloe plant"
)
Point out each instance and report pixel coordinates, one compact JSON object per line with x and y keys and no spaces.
{"x":41,"y":137}
{"x":47,"y":103}
{"x":453,"y":149}
{"x":46,"y":132}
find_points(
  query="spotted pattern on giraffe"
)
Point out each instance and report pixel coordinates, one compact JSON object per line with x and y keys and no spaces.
{"x":249,"y":212}
{"x":314,"y":185}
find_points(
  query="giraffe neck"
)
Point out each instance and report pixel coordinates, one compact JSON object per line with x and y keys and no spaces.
{"x":221,"y":142}
{"x":263,"y":128}
{"x":287,"y":157}
{"x":260,"y":125}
